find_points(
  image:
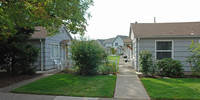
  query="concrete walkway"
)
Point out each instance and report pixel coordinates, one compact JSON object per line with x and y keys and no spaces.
{"x":128,"y":85}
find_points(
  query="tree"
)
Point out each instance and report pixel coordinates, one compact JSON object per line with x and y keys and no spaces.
{"x":17,"y":55}
{"x":50,"y":14}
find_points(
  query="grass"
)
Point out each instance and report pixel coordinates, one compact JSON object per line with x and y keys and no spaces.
{"x":72,"y":85}
{"x":174,"y":88}
{"x":113,"y":58}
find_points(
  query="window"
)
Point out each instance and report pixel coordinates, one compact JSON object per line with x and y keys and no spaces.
{"x":54,"y":51}
{"x":163,"y":49}
{"x":116,"y":44}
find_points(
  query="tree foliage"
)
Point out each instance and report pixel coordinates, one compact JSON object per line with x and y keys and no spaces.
{"x":50,"y":14}
{"x":87,"y":54}
{"x":17,"y":55}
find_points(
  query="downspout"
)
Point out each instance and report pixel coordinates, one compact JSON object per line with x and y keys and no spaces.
{"x":41,"y":46}
{"x":138,"y":53}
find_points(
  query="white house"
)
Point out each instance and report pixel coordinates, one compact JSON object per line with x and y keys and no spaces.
{"x":53,"y":49}
{"x":164,"y":40}
{"x":118,"y":43}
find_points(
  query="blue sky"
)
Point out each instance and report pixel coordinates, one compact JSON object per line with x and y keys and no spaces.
{"x":113,"y":17}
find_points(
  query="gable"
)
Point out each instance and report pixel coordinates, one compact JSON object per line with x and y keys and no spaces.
{"x":117,"y":39}
{"x":41,"y":33}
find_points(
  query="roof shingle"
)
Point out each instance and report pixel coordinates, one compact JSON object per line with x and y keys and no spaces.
{"x":166,"y":29}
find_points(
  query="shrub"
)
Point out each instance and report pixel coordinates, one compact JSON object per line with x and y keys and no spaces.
{"x":194,"y":58}
{"x":88,"y":55}
{"x":170,"y":68}
{"x":146,"y":63}
{"x":113,"y":68}
{"x":105,"y":70}
{"x":108,"y":67}
{"x":113,"y":51}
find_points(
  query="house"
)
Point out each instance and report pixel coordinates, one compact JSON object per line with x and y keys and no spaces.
{"x":108,"y":44}
{"x":54,"y":50}
{"x":164,"y":40}
{"x":118,"y":43}
{"x":100,"y":41}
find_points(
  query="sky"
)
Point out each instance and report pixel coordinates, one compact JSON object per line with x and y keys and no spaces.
{"x":113,"y":17}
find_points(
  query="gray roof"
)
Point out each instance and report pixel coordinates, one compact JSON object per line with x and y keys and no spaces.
{"x":41,"y":33}
{"x":101,"y":40}
{"x":110,"y":40}
{"x":123,"y":37}
{"x":166,"y":29}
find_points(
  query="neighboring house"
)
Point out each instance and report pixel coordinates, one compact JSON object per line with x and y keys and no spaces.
{"x":108,"y":44}
{"x":118,"y":43}
{"x":164,"y":40}
{"x":100,"y":41}
{"x":53,"y":49}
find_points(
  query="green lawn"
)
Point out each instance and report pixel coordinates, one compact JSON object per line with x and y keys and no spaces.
{"x":72,"y":85}
{"x":180,"y":88}
{"x":113,"y":58}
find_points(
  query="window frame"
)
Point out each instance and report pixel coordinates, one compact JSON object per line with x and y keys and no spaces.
{"x":172,"y":51}
{"x":51,"y":53}
{"x":116,"y":43}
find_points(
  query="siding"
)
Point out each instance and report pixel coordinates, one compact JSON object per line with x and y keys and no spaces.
{"x":180,"y":49}
{"x":108,"y":45}
{"x":56,"y":39}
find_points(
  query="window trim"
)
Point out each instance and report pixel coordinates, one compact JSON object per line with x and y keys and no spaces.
{"x":51,"y":47}
{"x":116,"y":43}
{"x":172,"y":51}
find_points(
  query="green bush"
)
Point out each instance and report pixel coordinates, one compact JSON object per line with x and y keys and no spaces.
{"x":88,"y":55}
{"x":113,"y":68}
{"x":105,"y":70}
{"x":113,"y":51}
{"x":108,"y":67}
{"x":170,"y":68}
{"x":146,"y":63}
{"x":194,"y":58}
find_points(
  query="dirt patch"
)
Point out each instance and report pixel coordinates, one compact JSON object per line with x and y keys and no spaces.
{"x":6,"y":80}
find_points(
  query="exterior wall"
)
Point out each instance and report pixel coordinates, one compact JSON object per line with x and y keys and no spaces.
{"x":108,"y":45}
{"x":56,"y":39}
{"x":180,"y":46}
